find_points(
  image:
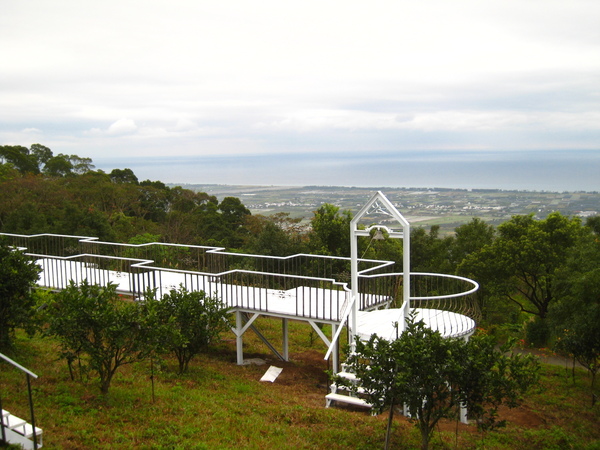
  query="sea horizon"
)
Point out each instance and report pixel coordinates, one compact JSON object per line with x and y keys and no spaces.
{"x":552,"y":171}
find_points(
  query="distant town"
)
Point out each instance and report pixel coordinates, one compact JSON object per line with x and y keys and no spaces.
{"x":447,"y":208}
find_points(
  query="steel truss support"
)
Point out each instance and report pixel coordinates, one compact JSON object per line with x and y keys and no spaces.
{"x":244,"y":322}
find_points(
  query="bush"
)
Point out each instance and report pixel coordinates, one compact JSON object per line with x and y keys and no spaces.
{"x":537,"y":333}
{"x":18,"y":275}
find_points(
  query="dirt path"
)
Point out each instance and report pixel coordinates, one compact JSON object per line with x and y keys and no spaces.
{"x":548,"y":357}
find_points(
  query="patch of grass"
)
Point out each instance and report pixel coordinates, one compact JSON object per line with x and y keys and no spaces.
{"x":218,"y":404}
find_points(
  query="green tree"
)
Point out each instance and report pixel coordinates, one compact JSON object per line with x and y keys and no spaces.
{"x":521,"y":264}
{"x":276,"y":235}
{"x":469,"y":238}
{"x":63,"y":165}
{"x":7,"y":172}
{"x":433,"y":376}
{"x":330,"y":231}
{"x":429,"y":252}
{"x":81,"y":165}
{"x":593,"y":223}
{"x":21,"y":158}
{"x":97,"y":323}
{"x":58,"y":166}
{"x":41,"y":153}
{"x":233,"y":216}
{"x":197,"y":318}
{"x":582,"y":341}
{"x":576,"y":315}
{"x":491,"y":376}
{"x":18,"y":275}
{"x":123,"y":176}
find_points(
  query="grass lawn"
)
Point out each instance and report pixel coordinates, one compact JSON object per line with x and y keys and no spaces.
{"x":220,"y":405}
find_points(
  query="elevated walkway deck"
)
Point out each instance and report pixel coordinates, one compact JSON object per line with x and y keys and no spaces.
{"x":311,"y":288}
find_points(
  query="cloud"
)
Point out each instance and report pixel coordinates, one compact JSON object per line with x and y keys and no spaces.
{"x":337,"y":76}
{"x":122,"y":127}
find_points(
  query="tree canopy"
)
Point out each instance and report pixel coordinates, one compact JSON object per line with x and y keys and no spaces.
{"x":521,"y":264}
{"x":96,"y":325}
{"x":433,"y":376}
{"x":18,"y":275}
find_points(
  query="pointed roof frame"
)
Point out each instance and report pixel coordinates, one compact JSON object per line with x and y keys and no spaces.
{"x":391,"y":210}
{"x":354,"y":234}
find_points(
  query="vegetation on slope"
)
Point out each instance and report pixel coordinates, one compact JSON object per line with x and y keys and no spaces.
{"x":218,"y":404}
{"x":539,"y":283}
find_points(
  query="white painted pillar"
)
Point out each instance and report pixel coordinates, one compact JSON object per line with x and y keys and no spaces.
{"x":335,"y":362}
{"x":353,"y":283}
{"x":239,"y":342}
{"x":284,"y":326}
{"x":406,"y":272}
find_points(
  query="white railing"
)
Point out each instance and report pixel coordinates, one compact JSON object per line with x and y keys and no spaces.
{"x":28,"y":375}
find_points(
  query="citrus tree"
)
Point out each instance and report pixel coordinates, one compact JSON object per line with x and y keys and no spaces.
{"x":98,"y":326}
{"x":433,"y":376}
{"x":18,"y":275}
{"x":196,"y":320}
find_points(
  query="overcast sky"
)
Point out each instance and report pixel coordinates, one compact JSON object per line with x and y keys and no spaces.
{"x":110,"y":78}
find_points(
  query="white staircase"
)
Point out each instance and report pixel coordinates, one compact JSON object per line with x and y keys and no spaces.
{"x":18,"y":431}
{"x":349,"y":393}
{"x":15,"y":430}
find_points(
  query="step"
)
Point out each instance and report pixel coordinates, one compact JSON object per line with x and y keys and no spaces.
{"x":348,"y":399}
{"x":347,"y":375}
{"x":10,"y":421}
{"x":21,"y":428}
{"x":357,"y":389}
{"x":27,"y":431}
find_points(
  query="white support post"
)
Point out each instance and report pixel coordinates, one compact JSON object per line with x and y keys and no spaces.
{"x":353,"y":282}
{"x":284,"y":326}
{"x":239,"y":341}
{"x":406,"y":273}
{"x":463,"y":414}
{"x":335,"y":362}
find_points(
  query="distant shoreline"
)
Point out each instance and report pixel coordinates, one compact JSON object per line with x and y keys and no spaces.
{"x":525,"y":171}
{"x":215,"y":187}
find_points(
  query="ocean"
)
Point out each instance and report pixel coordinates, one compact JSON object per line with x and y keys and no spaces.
{"x":554,"y":171}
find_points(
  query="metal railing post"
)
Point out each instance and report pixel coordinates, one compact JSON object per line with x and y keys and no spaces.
{"x":2,"y":422}
{"x":28,"y":374}
{"x":35,"y":445}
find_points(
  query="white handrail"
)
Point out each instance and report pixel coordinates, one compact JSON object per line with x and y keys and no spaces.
{"x":17,"y":365}
{"x":340,"y":326}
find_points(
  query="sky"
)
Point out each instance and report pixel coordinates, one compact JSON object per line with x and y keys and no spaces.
{"x":283,"y":92}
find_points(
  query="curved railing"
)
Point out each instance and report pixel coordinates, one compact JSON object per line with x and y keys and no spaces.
{"x":447,"y":302}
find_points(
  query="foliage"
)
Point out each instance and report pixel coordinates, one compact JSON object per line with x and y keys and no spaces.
{"x":20,"y":157}
{"x":276,"y":235}
{"x":97,"y":323}
{"x":40,"y":159}
{"x":234,"y":409}
{"x":521,"y":264}
{"x":47,"y":193}
{"x":429,"y":252}
{"x":491,"y":377}
{"x":576,"y":316}
{"x":593,"y":222}
{"x":470,"y":238}
{"x":433,"y":376}
{"x":330,"y":231}
{"x":583,"y":342}
{"x":18,"y":275}
{"x":197,"y":320}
